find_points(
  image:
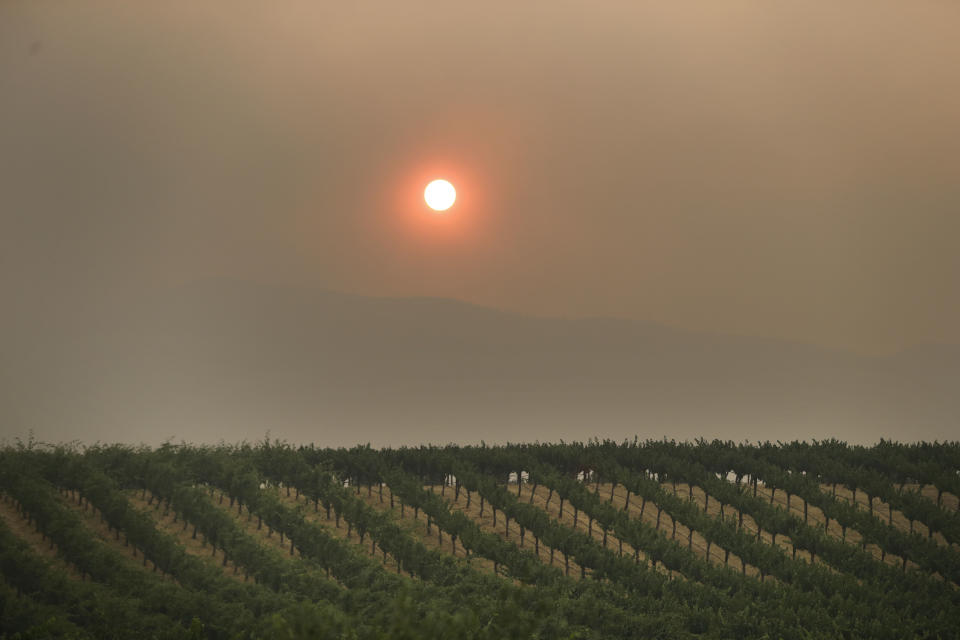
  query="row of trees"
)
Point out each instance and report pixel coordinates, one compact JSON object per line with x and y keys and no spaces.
{"x":612,"y":617}
{"x":926,"y":553}
{"x":147,"y":592}
{"x":37,"y":601}
{"x":813,"y":591}
{"x":447,"y":588}
{"x":321,"y":585}
{"x":861,"y":575}
{"x":834,"y":463}
{"x":815,"y":579}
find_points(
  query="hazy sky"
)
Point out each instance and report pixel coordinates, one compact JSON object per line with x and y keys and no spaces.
{"x":772,"y":169}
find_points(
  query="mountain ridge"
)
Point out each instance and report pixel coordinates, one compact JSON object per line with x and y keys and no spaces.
{"x":227,"y":358}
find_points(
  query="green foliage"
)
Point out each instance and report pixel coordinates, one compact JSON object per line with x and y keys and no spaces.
{"x":320,"y":585}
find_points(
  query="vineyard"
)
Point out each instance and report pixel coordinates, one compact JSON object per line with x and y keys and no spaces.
{"x":652,"y":539}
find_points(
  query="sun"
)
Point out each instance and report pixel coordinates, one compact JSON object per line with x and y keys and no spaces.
{"x":440,"y":195}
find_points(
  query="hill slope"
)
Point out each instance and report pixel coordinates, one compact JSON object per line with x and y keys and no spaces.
{"x":231,"y":360}
{"x":604,"y":540}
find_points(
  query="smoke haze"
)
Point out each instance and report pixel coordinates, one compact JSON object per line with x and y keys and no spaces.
{"x":785,"y":174}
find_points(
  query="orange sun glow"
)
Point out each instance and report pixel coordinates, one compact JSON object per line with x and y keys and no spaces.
{"x":440,"y":195}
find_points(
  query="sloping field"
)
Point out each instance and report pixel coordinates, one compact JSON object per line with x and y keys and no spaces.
{"x":596,"y":540}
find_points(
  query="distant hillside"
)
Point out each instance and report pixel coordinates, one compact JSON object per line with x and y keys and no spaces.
{"x":232,"y":360}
